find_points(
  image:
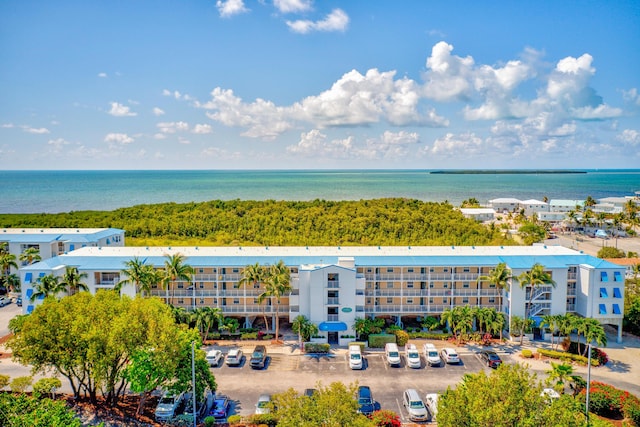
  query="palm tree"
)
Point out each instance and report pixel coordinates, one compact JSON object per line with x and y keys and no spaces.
{"x":303,"y":327}
{"x":500,"y":277}
{"x":30,"y":255}
{"x":11,"y":282}
{"x":255,"y":274}
{"x":590,"y":202}
{"x":483,"y":315}
{"x":49,"y":285}
{"x":7,"y":260}
{"x":560,"y":373}
{"x":594,"y":332}
{"x":549,"y":321}
{"x":204,"y":318}
{"x":176,"y":270}
{"x":497,"y":324}
{"x":72,"y":280}
{"x":137,"y":273}
{"x":534,"y":278}
{"x":565,"y":324}
{"x":579,"y":325}
{"x":450,"y":317}
{"x":465,"y":319}
{"x":277,"y":286}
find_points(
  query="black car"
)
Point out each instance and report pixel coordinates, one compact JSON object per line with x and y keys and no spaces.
{"x":365,"y":400}
{"x":258,"y":357}
{"x":19,"y":301}
{"x":491,"y":358}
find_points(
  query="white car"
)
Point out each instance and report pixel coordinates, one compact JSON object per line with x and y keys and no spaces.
{"x":449,"y":355}
{"x":413,"y":357}
{"x":214,"y":357}
{"x":431,"y":400}
{"x":431,"y":354}
{"x":4,"y":301}
{"x":262,"y":407}
{"x":234,"y":357}
{"x":167,"y":406}
{"x":355,"y":357}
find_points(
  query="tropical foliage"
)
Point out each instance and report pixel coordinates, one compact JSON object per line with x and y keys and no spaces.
{"x":531,"y":280}
{"x":278,"y":223}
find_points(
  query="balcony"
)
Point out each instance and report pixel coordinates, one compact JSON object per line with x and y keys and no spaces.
{"x":333,"y":317}
{"x":333,"y":284}
{"x":471,"y":277}
{"x":333,"y":301}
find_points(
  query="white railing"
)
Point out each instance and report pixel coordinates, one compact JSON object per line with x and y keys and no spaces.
{"x":332,"y":284}
{"x":333,"y":300}
{"x":333,"y":317}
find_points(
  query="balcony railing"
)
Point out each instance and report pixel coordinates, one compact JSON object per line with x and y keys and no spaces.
{"x":332,"y":284}
{"x":333,"y":300}
{"x":333,"y":317}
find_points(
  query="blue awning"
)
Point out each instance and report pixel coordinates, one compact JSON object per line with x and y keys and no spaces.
{"x":29,"y":293}
{"x":332,"y":326}
{"x":29,"y":309}
{"x":28,"y":277}
{"x":536,"y":321}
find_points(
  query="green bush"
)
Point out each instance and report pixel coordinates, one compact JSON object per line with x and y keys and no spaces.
{"x":312,"y":347}
{"x":401,"y":337}
{"x":429,"y":336}
{"x":4,"y":381}
{"x":362,"y":345}
{"x":20,"y":384}
{"x":46,"y":386}
{"x":264,"y":419}
{"x":564,"y":356}
{"x":249,"y":336}
{"x":231,"y":419}
{"x":379,"y":340}
{"x":527,"y":353}
{"x":211,"y":421}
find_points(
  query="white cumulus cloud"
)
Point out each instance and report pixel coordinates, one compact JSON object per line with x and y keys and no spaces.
{"x":632,"y":95}
{"x":202,"y":129}
{"x":158,"y":111}
{"x":37,"y":131}
{"x":120,"y":138}
{"x":229,"y":8}
{"x":57,"y":144}
{"x":119,"y":110}
{"x":629,"y":137}
{"x":173,"y":127}
{"x":292,"y":6}
{"x":102,"y":75}
{"x":461,"y":145}
{"x":337,"y":20}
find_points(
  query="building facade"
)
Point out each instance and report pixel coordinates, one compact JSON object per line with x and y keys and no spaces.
{"x":332,"y":286}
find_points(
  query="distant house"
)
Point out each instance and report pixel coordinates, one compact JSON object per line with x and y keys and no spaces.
{"x":532,"y":206}
{"x":479,"y":214}
{"x":564,"y":205}
{"x":505,"y":204}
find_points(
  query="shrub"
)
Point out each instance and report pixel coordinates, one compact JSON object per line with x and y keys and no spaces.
{"x":267,"y":337}
{"x":527,"y":353}
{"x":362,"y":345}
{"x":46,"y":386}
{"x":429,"y":336}
{"x":4,"y":381}
{"x":401,"y":337}
{"x":182,"y":420}
{"x":392,"y":328}
{"x":596,"y":353}
{"x":231,"y":419}
{"x":249,"y":336}
{"x":312,"y":347}
{"x":20,"y":384}
{"x":379,"y":340}
{"x":566,"y":357}
{"x":269,"y":420}
{"x":386,"y":418}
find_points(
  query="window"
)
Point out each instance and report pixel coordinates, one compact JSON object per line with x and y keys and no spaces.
{"x":409,"y":270}
{"x":369,"y":270}
{"x":465,"y":270}
{"x":617,"y":293}
{"x":445,"y":300}
{"x":201,"y":285}
{"x":431,"y":285}
{"x":431,"y":270}
{"x":492,"y":300}
{"x":430,"y":300}
{"x":236,"y":300}
{"x":410,"y":285}
{"x":389,"y":284}
{"x":603,"y":293}
{"x":201,"y":270}
{"x":255,"y":301}
{"x":235,"y":270}
{"x":603,"y":309}
{"x":389,"y":269}
{"x":492,"y":285}
{"x":616,"y":309}
{"x":389,"y":300}
{"x":180,"y":301}
{"x":446,"y":285}
{"x":617,"y":277}
{"x":465,"y":300}
{"x":446,"y":270}
{"x":603,"y":276}
{"x":201,"y":301}
{"x":409,"y":300}
{"x":465,"y":284}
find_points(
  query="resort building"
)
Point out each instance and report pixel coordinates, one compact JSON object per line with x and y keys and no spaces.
{"x":533,"y":206}
{"x":332,"y":286}
{"x":505,"y":204}
{"x":479,"y":214}
{"x":51,"y":242}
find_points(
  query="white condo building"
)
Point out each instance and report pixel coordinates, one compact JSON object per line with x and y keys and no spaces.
{"x":332,"y":286}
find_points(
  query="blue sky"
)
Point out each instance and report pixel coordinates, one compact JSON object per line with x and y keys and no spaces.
{"x":290,"y":84}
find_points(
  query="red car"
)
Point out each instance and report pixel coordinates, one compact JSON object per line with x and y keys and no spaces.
{"x":491,"y":358}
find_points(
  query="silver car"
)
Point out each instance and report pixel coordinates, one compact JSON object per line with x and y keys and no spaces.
{"x":234,"y":357}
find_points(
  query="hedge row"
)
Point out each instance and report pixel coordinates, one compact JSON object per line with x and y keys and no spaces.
{"x":379,"y":340}
{"x":312,"y":347}
{"x":242,"y":336}
{"x":429,"y":336}
{"x":562,"y":355}
{"x":607,"y":401}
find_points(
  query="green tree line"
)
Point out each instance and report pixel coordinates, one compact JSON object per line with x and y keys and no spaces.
{"x":392,"y":221}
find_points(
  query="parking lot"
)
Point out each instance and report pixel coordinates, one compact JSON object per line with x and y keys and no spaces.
{"x":288,"y":369}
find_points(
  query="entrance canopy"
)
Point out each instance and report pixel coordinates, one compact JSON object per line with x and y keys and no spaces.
{"x":332,"y":326}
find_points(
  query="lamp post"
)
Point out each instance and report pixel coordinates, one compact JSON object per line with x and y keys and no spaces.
{"x":588,"y":383}
{"x":193,"y":379}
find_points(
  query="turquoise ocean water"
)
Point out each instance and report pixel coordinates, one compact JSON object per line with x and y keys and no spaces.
{"x":63,"y":191}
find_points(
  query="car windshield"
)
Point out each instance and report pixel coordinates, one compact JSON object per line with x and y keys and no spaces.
{"x":453,"y":355}
{"x":167,"y":400}
{"x":433,"y":354}
{"x":364,"y":400}
{"x":416,"y":404}
{"x":413,"y":354}
{"x":263,"y":404}
{"x":355,"y":356}
{"x":393,"y":354}
{"x":493,"y":356}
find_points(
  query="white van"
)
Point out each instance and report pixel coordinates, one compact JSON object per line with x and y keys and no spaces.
{"x":355,"y":357}
{"x":415,"y":406}
{"x":431,"y":354}
{"x":392,"y":354}
{"x":413,"y":357}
